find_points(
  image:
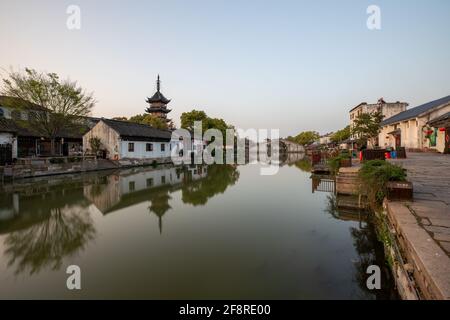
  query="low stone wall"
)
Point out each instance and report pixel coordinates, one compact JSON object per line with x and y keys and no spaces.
{"x":128,"y":162}
{"x":421,"y":267}
{"x":37,"y":167}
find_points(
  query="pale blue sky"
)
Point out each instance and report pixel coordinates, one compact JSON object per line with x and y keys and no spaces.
{"x":293,"y":65}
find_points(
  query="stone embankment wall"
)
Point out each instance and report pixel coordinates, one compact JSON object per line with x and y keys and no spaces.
{"x":37,"y":167}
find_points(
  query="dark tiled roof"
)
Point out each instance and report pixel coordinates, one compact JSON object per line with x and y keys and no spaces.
{"x":158,"y":97}
{"x":137,"y":130}
{"x":416,"y":111}
{"x":16,"y":102}
{"x":440,"y":120}
{"x":9,"y":125}
{"x":157,"y":109}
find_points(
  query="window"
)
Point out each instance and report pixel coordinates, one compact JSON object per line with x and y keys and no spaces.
{"x":149,"y":147}
{"x":131,"y":147}
{"x":2,"y":113}
{"x":149,"y":182}
{"x":163,"y":147}
{"x":163,"y":179}
{"x":132,"y":186}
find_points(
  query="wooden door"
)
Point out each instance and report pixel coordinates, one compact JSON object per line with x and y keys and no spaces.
{"x":5,"y":154}
{"x":398,"y":141}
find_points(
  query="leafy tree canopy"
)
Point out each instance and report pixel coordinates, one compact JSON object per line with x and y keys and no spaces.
{"x":305,"y":138}
{"x":64,"y":103}
{"x":150,"y":120}
{"x":341,"y":135}
{"x":367,"y":126}
{"x":188,"y":119}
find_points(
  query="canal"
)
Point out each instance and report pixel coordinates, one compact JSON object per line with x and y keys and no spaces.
{"x":198,"y":232}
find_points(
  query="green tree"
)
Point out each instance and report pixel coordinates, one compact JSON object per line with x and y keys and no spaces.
{"x":219,"y":124}
{"x":64,"y":103}
{"x":188,"y":119}
{"x":150,"y":120}
{"x":306,"y":137}
{"x":341,"y":135}
{"x":367,"y":126}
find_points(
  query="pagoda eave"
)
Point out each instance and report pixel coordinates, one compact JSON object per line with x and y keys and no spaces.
{"x":162,"y":110}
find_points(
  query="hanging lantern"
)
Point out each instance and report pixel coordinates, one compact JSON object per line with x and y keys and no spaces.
{"x":442,"y":129}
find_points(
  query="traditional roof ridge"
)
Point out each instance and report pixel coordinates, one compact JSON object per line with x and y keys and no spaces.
{"x":132,"y":123}
{"x":133,"y":129}
{"x":13,"y":102}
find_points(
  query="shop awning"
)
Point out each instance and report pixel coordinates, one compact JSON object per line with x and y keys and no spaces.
{"x":441,"y":121}
{"x":396,"y":132}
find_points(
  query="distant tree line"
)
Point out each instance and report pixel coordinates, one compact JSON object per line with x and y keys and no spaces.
{"x":366,"y":126}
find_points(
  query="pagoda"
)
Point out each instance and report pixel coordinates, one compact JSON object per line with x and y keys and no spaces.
{"x":158,"y":104}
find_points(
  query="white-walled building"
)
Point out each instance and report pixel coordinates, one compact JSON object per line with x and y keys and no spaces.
{"x":326,"y":138}
{"x":128,"y":140}
{"x":414,"y":128}
{"x":387,"y":109}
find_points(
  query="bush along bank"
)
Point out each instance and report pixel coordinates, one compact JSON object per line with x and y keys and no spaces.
{"x":374,"y":176}
{"x":343,"y":159}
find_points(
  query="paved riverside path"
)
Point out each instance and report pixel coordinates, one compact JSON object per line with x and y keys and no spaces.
{"x":430,"y":175}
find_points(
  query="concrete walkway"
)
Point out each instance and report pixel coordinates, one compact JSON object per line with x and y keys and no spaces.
{"x":424,"y":224}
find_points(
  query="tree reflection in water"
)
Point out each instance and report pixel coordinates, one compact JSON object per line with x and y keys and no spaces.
{"x":304,"y":165}
{"x":219,"y":177}
{"x":370,"y":251}
{"x":196,"y":192}
{"x":160,"y":205}
{"x":64,"y":231}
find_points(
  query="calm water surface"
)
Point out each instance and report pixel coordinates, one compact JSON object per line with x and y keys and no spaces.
{"x":183,"y":232}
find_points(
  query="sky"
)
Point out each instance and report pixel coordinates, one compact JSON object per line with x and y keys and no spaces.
{"x":288,"y":65}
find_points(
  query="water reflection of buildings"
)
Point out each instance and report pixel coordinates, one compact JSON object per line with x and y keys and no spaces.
{"x":133,"y":186}
{"x":291,"y":158}
{"x":365,"y":241}
{"x":323,"y":183}
{"x":43,"y":224}
{"x":46,"y":220}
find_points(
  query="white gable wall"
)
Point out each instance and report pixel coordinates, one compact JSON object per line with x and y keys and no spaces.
{"x":108,"y":137}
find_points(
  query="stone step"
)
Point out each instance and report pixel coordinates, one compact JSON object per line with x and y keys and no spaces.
{"x":352,"y":179}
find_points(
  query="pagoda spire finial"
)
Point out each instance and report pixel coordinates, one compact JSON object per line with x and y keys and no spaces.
{"x":158,"y":84}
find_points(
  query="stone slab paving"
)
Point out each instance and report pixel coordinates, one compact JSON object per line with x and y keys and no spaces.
{"x":430,"y":175}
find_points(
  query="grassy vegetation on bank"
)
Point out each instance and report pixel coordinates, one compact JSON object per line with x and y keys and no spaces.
{"x":374,"y":176}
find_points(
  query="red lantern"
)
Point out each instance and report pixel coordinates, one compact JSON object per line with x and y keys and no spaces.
{"x":442,"y":129}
